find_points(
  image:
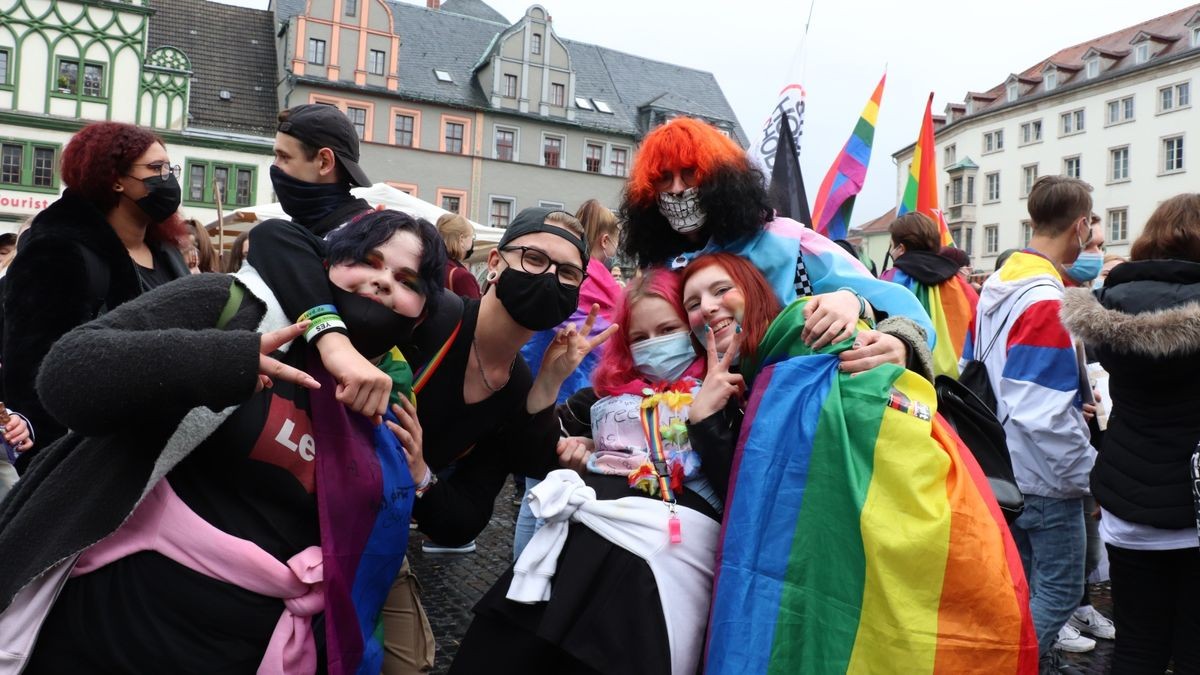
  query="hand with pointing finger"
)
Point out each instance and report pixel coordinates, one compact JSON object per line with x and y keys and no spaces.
{"x":270,"y":368}
{"x":719,"y":384}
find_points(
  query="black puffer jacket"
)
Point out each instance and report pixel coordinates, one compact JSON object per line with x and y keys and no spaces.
{"x":1145,"y":328}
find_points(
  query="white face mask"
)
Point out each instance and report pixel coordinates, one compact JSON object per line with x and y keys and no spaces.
{"x":682,"y":211}
{"x":665,"y":357}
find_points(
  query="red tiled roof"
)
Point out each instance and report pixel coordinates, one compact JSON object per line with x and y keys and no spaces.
{"x":879,"y":224}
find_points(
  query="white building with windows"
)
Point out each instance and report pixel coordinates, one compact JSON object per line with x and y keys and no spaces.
{"x":1116,"y":111}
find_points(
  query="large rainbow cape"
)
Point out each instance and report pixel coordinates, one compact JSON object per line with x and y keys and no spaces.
{"x":860,"y":534}
{"x":364,"y":503}
{"x":951,"y":305}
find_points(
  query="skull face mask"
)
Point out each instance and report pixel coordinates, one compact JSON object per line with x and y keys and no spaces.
{"x":682,"y":211}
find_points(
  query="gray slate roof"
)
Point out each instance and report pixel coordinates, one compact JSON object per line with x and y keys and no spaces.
{"x":475,"y":8}
{"x":454,"y":42}
{"x":231,"y":48}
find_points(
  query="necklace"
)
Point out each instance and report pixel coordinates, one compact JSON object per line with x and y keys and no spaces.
{"x":483,"y":375}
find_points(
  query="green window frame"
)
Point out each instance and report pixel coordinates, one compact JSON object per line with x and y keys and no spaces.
{"x":240,"y":182}
{"x":37,"y":164}
{"x":60,"y":87}
{"x":6,"y":68}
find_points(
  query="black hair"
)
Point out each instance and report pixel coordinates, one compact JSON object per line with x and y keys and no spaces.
{"x":735,"y":204}
{"x":352,"y":244}
{"x":8,"y":239}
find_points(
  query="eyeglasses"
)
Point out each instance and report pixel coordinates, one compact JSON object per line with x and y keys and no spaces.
{"x":535,"y":261}
{"x":164,"y":169}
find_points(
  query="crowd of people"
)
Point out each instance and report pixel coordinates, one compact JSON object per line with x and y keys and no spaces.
{"x":733,"y":463}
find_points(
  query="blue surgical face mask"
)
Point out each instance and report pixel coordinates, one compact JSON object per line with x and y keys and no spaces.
{"x":665,"y":357}
{"x":1086,"y":267}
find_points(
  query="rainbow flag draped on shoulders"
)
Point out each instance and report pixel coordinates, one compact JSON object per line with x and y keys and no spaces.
{"x":860,"y":534}
{"x":835,"y":198}
{"x":951,"y":304}
{"x":921,"y":191}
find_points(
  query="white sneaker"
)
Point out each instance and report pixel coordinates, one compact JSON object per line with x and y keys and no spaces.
{"x":1089,"y":620}
{"x":469,"y":547}
{"x":1069,"y":640}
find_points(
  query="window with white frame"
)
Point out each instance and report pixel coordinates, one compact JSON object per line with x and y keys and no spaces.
{"x":1072,"y":166}
{"x":993,"y":141}
{"x":956,"y":191}
{"x":1071,"y":122}
{"x":1118,"y":164}
{"x":1141,"y":53}
{"x":1012,"y":91}
{"x":316,"y":51}
{"x":991,"y":239}
{"x":1029,"y":176}
{"x":1120,"y":110}
{"x":506,"y":144}
{"x":552,"y":151}
{"x":593,"y":157}
{"x":510,"y":86}
{"x":501,"y":212}
{"x":4,"y":77}
{"x":1026,"y":233}
{"x":950,"y":154}
{"x":1118,"y":225}
{"x":993,"y":186}
{"x":970,"y":189}
{"x":358,"y":119}
{"x":1031,"y":132}
{"x":1196,"y":36}
{"x":969,"y":239}
{"x":1050,"y":80}
{"x":618,"y":161}
{"x":1172,"y":154}
{"x":376,"y":63}
{"x":1093,"y":67}
{"x":1174,"y":97}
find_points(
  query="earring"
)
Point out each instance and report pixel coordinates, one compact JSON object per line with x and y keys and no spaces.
{"x":492,"y":276}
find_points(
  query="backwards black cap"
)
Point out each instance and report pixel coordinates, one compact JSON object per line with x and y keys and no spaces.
{"x":533,"y":220}
{"x":324,"y":126}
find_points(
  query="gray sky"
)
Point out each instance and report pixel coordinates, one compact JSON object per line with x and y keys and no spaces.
{"x":754,"y":48}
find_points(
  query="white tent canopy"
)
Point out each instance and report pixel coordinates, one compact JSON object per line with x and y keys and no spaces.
{"x":383,"y":194}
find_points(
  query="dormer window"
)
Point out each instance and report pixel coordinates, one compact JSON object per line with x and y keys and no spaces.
{"x":1050,"y":80}
{"x":1142,"y":52}
{"x":1196,"y":36}
{"x":1093,"y":67}
{"x":442,"y":76}
{"x":1013,"y":91}
{"x":535,"y":44}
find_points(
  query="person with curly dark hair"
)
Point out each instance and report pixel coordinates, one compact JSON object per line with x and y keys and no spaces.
{"x":112,"y":236}
{"x":692,"y":190}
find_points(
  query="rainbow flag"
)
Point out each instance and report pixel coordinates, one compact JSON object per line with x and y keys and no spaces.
{"x":860,"y":535}
{"x":951,"y":305}
{"x":921,"y":191}
{"x":835,"y":199}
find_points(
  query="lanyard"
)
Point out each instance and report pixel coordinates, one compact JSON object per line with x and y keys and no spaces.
{"x":658,"y":460}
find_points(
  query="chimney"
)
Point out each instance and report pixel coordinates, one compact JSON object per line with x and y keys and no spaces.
{"x":433,"y":4}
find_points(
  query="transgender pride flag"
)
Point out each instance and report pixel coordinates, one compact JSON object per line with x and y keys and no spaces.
{"x":835,"y":199}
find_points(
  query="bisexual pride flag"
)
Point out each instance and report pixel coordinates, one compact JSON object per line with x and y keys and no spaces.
{"x":860,"y":534}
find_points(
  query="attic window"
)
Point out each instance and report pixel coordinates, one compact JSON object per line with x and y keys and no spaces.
{"x":225,"y":95}
{"x":1142,"y":52}
{"x":583,"y":103}
{"x":602,"y":106}
{"x":1050,"y":79}
{"x":1013,"y":91}
{"x":1093,"y":67}
{"x":443,"y":76}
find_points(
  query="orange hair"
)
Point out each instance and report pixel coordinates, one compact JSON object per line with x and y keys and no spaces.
{"x":761,"y":304}
{"x":681,"y":143}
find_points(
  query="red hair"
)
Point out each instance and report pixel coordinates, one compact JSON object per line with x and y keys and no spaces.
{"x":100,"y":153}
{"x":681,"y":143}
{"x":616,"y":373}
{"x":761,"y":304}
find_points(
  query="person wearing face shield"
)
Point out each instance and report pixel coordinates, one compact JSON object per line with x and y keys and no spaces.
{"x":1035,"y":371}
{"x":112,"y":236}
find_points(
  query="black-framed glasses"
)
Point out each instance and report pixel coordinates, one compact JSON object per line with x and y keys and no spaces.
{"x":164,"y":169}
{"x":536,"y":261}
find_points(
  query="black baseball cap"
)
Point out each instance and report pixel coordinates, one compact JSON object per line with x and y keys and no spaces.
{"x":324,"y":126}
{"x":532,"y":220}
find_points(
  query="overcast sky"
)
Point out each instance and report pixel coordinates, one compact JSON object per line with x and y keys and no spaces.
{"x":754,"y":48}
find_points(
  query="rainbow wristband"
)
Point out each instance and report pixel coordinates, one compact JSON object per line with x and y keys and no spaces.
{"x":326,"y":322}
{"x":318,"y":312}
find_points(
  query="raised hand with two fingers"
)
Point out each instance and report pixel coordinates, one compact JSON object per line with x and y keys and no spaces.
{"x":719,"y":383}
{"x":271,"y":369}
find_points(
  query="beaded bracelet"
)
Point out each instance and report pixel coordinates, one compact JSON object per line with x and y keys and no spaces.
{"x":862,"y":305}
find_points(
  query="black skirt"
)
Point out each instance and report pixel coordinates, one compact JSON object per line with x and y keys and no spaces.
{"x":603,"y":616}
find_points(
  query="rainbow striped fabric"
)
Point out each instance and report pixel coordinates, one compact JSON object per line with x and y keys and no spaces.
{"x":921,"y":191}
{"x":835,"y":199}
{"x":951,"y":305}
{"x":860,"y":534}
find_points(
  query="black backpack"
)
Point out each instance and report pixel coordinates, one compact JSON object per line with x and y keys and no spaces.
{"x":983,"y":435}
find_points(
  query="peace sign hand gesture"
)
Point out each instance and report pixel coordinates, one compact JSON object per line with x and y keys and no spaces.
{"x":719,"y":384}
{"x":562,"y":357}
{"x":270,"y":368}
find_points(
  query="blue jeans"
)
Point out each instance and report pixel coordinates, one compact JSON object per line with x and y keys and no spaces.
{"x":526,"y":523}
{"x":1051,"y":537}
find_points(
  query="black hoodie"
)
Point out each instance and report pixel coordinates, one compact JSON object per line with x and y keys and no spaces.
{"x":926,"y":267}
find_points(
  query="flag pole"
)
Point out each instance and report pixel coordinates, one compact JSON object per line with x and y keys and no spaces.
{"x":220,"y":223}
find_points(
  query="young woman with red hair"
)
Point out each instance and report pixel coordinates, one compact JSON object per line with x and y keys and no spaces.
{"x":112,"y":235}
{"x":623,"y":601}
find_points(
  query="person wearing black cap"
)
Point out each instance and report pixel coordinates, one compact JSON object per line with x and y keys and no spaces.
{"x":479,"y":407}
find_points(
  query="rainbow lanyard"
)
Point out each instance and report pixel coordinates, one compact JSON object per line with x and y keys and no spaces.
{"x":658,"y":459}
{"x":427,"y":372}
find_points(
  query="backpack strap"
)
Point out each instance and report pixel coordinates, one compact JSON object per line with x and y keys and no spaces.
{"x":982,"y":356}
{"x":427,"y":371}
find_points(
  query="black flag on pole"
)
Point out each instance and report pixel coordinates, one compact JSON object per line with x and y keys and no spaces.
{"x":787,"y":184}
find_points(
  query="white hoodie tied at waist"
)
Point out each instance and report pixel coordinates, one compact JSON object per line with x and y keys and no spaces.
{"x":683,"y":572}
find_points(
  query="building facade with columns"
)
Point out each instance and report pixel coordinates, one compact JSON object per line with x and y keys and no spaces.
{"x":459,"y":106}
{"x":1116,"y":111}
{"x":157,"y":63}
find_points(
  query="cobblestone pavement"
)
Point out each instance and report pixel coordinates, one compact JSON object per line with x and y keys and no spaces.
{"x":451,"y":584}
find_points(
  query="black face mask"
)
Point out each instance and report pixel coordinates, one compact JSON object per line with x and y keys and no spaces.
{"x":470,"y":251}
{"x":372,"y":328}
{"x":536,"y":301}
{"x":307,"y":202}
{"x":162,"y":197}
